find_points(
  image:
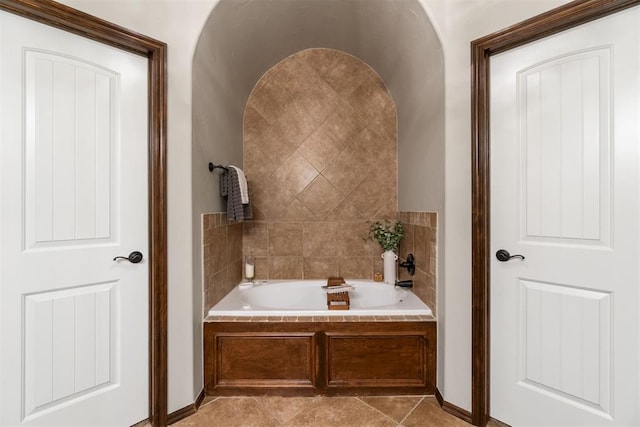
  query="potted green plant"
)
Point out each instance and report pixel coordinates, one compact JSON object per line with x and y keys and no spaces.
{"x":388,"y":234}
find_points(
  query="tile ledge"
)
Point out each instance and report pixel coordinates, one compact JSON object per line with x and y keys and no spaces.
{"x":275,"y":319}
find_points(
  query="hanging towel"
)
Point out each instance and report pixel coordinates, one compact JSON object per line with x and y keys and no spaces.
{"x":244,"y":192}
{"x":230,"y":188}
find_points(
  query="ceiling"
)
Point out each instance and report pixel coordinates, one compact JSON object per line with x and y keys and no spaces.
{"x":395,"y":38}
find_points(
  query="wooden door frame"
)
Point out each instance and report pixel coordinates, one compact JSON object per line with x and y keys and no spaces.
{"x":68,"y":19}
{"x":551,"y":22}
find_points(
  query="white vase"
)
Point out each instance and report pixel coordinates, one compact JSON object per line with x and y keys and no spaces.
{"x":389,"y":261}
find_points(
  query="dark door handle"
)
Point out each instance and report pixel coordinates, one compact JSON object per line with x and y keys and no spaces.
{"x":134,"y":257}
{"x":504,"y":256}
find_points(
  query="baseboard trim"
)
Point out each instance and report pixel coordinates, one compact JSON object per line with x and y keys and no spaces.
{"x":452,"y":409}
{"x":199,"y":399}
{"x":188,"y":410}
{"x":439,"y":398}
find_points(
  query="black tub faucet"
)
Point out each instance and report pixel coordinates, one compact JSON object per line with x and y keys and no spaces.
{"x":405,"y":283}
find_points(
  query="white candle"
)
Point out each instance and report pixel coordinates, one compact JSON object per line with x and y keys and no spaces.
{"x":249,"y":270}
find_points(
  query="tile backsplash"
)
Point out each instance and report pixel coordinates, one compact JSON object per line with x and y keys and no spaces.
{"x":223,"y":242}
{"x":222,"y":257}
{"x":420,"y":239}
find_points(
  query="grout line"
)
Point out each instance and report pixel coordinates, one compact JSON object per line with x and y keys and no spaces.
{"x":377,"y":410}
{"x":215,"y":398}
{"x":281,"y":421}
{"x":398,"y":423}
{"x":411,"y":411}
{"x":269,"y":413}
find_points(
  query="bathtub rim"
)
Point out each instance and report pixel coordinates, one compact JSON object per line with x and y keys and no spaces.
{"x":231,"y":304}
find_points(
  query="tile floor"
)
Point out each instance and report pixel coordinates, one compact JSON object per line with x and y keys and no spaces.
{"x":272,"y":411}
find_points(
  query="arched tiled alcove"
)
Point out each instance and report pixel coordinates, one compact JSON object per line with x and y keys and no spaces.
{"x":320,"y":156}
{"x":240,"y":41}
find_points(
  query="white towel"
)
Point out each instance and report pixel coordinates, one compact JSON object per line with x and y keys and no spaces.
{"x":242,"y":180}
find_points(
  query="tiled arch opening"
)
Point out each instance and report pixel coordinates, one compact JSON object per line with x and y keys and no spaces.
{"x":320,"y":155}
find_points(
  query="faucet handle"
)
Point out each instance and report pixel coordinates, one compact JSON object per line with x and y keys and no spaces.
{"x":409,"y":264}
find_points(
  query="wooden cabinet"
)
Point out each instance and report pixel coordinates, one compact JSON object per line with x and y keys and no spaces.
{"x":376,"y":361}
{"x":319,"y":357}
{"x":265,"y":359}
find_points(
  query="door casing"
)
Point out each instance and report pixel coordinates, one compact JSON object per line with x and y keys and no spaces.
{"x":543,"y":25}
{"x":68,"y":19}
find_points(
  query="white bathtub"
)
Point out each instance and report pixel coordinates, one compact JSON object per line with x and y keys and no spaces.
{"x":307,"y":298}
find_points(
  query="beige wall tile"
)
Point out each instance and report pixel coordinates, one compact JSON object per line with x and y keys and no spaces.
{"x":261,"y":270}
{"x":320,"y":239}
{"x":320,"y":197}
{"x":255,"y":238}
{"x":294,"y":75}
{"x":420,"y":239}
{"x":295,"y":173}
{"x":345,"y":211}
{"x":217,"y":248}
{"x":344,"y":125}
{"x":285,"y":267}
{"x":319,"y":100}
{"x":215,"y":289}
{"x":271,"y":198}
{"x":320,"y":268}
{"x":222,"y":257}
{"x":285,"y":239}
{"x":235,"y":274}
{"x":347,"y":74}
{"x":371,"y":196}
{"x":421,"y":247}
{"x":353,"y":240}
{"x":254,"y":124}
{"x":270,"y":101}
{"x":406,"y":244}
{"x":297,"y":212}
{"x":420,"y":285}
{"x":321,"y":60}
{"x":234,"y":242}
{"x":346,"y":172}
{"x":254,"y":162}
{"x":272,"y":147}
{"x":296,"y":124}
{"x":320,"y":148}
{"x":356,"y":267}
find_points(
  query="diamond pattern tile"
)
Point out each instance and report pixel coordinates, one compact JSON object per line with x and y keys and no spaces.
{"x":319,"y":411}
{"x":295,"y":173}
{"x":320,"y":146}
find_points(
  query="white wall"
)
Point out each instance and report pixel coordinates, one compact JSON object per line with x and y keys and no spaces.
{"x":459,"y":22}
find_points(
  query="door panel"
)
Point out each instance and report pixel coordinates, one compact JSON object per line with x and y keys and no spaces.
{"x":563,"y":114}
{"x":566,"y":342}
{"x":78,"y":322}
{"x":71,"y":124}
{"x":564,"y":194}
{"x":73,"y":195}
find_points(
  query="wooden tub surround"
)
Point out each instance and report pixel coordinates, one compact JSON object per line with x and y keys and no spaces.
{"x":309,"y":357}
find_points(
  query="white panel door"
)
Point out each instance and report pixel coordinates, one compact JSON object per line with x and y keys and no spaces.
{"x":73,"y":196}
{"x":565,"y":156}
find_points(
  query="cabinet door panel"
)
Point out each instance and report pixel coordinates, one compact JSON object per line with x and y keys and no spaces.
{"x":376,"y":361}
{"x":265,"y":360}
